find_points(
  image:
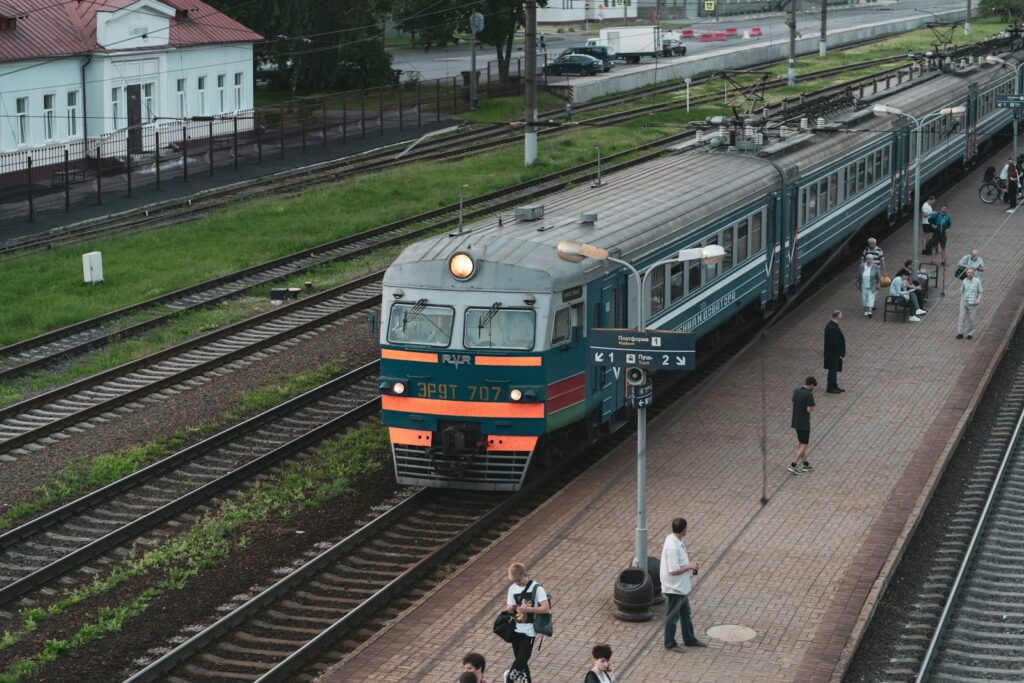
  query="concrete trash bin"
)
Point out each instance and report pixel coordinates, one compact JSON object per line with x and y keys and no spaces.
{"x":654,"y":571}
{"x":634,"y":591}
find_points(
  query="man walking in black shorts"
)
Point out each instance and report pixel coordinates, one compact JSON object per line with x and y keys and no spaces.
{"x":803,"y":404}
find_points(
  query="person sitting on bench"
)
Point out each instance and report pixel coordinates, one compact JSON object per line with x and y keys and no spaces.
{"x":902,"y":288}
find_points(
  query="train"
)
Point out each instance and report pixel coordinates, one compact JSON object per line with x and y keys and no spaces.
{"x":484,"y":331}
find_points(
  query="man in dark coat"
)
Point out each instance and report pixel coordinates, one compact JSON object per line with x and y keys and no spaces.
{"x":835,"y":351}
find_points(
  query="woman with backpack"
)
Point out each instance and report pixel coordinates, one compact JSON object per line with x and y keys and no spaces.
{"x":526,"y":599}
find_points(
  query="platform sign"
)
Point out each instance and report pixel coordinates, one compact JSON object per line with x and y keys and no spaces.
{"x":1009,"y":101}
{"x":709,"y":6}
{"x":650,"y":350}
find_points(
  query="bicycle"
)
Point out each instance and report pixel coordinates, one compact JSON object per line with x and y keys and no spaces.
{"x":992,"y":190}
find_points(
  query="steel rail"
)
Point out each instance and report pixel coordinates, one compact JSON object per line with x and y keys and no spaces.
{"x":936,"y":639}
{"x":202,"y":494}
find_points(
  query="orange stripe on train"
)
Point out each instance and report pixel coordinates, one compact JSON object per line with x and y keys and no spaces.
{"x":509,"y":360}
{"x":433,"y":406}
{"x":511,"y":443}
{"x":410,"y":437}
{"x":395,"y":354}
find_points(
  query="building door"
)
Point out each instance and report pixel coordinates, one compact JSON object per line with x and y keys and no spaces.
{"x":134,"y":118}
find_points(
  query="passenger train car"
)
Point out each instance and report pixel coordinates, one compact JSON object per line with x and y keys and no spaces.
{"x":484,"y":332}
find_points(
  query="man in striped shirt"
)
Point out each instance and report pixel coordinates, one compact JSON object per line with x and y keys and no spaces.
{"x":970,"y":297}
{"x":876,"y":252}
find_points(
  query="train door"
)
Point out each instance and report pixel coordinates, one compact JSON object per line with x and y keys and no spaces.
{"x":134,"y":118}
{"x":613,"y":314}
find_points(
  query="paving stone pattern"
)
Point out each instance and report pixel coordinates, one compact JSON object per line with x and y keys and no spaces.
{"x":798,"y":570}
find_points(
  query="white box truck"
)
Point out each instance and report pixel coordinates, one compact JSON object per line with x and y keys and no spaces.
{"x":632,"y":43}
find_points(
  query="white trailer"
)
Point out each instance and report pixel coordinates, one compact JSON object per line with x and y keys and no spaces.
{"x":632,"y":43}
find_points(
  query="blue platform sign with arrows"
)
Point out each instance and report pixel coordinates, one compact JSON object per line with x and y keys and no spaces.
{"x":650,"y":350}
{"x":1009,"y":101}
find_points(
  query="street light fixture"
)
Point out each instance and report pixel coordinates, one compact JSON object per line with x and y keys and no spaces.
{"x":574,"y":252}
{"x":1016,"y":91}
{"x":885,"y":109}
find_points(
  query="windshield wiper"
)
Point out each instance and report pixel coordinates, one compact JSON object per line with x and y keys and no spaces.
{"x":487,"y":317}
{"x":413,"y":312}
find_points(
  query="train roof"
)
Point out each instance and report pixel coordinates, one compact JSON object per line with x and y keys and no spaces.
{"x":637,"y":210}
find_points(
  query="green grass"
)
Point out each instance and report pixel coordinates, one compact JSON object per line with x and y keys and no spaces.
{"x":43,"y":290}
{"x":210,"y":541}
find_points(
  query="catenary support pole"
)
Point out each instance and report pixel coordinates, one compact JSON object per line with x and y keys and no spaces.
{"x":530,"y":115}
{"x":823,"y":40}
{"x":791,"y":22}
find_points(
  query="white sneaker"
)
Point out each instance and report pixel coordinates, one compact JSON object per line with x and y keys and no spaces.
{"x":920,"y":311}
{"x":914,"y":319}
{"x":1010,"y":210}
{"x":866,"y":314}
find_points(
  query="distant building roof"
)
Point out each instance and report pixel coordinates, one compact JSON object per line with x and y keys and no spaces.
{"x":45,"y":28}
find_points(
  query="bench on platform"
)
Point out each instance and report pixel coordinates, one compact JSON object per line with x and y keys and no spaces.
{"x":896,"y":304}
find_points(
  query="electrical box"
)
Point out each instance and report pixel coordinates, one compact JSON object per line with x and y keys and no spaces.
{"x":530,"y":212}
{"x":92,"y":267}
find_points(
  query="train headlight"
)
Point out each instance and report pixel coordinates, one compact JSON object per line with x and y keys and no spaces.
{"x":398,"y":388}
{"x":516,"y":395}
{"x":461,"y":266}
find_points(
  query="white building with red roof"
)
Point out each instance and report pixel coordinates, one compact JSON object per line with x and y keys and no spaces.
{"x":74,"y":70}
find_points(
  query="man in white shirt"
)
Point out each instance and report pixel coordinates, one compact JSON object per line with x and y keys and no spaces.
{"x":927,"y":209}
{"x":675,"y":584}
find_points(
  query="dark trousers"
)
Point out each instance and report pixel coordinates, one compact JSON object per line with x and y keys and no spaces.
{"x":833,"y":379}
{"x":1011,"y":193}
{"x":678,"y":610}
{"x":522,"y":648}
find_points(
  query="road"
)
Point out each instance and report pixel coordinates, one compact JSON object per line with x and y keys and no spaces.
{"x":450,"y":61}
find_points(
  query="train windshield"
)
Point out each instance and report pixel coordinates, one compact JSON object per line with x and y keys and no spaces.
{"x":420,"y":324}
{"x":499,"y":328}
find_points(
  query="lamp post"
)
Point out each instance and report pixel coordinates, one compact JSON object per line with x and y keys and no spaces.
{"x":883,"y":109}
{"x":1016,"y":91}
{"x":574,"y":252}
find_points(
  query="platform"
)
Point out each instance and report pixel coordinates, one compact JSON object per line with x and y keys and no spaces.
{"x":806,"y":569}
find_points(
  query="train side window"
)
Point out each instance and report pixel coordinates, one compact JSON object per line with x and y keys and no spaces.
{"x":812,"y":203}
{"x":712,"y":270}
{"x":886,"y":169}
{"x":693,"y":281}
{"x":823,"y":205}
{"x":878,"y":165}
{"x":727,"y":244}
{"x":861,"y":175}
{"x":676,"y":288}
{"x":851,"y":180}
{"x":561,"y":331}
{"x":756,"y":231}
{"x":742,"y":235}
{"x":869,"y":171}
{"x":657,"y":290}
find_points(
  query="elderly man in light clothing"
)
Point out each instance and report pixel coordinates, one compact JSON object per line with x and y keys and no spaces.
{"x":970,"y":297}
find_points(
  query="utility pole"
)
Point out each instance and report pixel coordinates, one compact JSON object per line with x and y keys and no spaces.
{"x":791,"y":22}
{"x":823,"y":41}
{"x":967,"y":20}
{"x":476,"y":24}
{"x":530,"y":114}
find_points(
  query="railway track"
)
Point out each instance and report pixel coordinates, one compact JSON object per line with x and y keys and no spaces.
{"x":968,"y":622}
{"x":118,"y":391}
{"x":40,"y":351}
{"x":311,"y":618}
{"x":452,"y":146}
{"x":51,"y":546}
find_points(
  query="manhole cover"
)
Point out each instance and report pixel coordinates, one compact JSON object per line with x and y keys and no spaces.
{"x":731,"y":633}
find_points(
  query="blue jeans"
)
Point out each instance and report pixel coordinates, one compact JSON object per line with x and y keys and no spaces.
{"x":678,"y":610}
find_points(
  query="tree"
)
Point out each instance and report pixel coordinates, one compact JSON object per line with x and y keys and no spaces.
{"x":431,"y":22}
{"x":317,"y":44}
{"x":1012,"y":10}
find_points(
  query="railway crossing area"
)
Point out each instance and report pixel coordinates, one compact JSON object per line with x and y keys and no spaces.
{"x":803,"y":571}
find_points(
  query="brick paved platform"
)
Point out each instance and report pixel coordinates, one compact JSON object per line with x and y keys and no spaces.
{"x":803,"y":571}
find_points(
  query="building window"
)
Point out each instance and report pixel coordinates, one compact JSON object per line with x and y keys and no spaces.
{"x":21,"y":109}
{"x":221,"y":97}
{"x":147,"y":103}
{"x":202,"y":95}
{"x":72,"y":113}
{"x":48,"y":120}
{"x":115,"y":100}
{"x":238,"y":92}
{"x":181,"y":98}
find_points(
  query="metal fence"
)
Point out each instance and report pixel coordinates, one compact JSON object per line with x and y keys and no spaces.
{"x":150,"y":156}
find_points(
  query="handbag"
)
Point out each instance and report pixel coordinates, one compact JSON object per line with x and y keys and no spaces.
{"x":542,"y":623}
{"x":885,"y":281}
{"x":505,"y":626}
{"x":960,"y":273}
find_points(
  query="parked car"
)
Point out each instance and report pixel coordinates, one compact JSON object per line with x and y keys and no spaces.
{"x":671,"y":47}
{"x":583,"y":65}
{"x":601,"y":52}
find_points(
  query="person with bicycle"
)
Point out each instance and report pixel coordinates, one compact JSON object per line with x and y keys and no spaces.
{"x":941,"y":223}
